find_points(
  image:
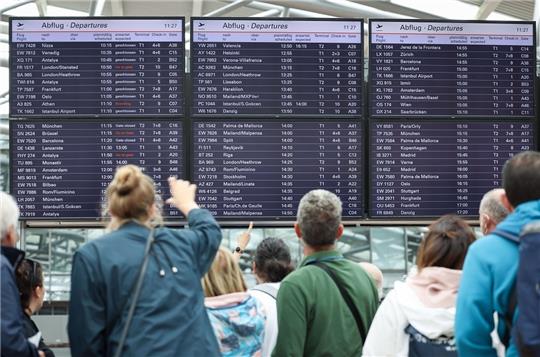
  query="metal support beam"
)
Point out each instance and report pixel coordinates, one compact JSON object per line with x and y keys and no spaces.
{"x":117,"y":7}
{"x":487,"y":7}
{"x":228,"y":8}
{"x":96,"y":7}
{"x":285,"y":12}
{"x":292,"y":11}
{"x":42,"y":7}
{"x":197,"y":8}
{"x":268,"y":13}
{"x":14,"y":4}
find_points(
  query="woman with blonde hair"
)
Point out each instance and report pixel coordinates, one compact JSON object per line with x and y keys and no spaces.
{"x":136,"y":291}
{"x":237,"y":317}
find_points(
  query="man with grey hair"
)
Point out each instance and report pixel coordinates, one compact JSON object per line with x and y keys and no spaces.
{"x":13,"y":340}
{"x":492,"y":211}
{"x":326,"y":306}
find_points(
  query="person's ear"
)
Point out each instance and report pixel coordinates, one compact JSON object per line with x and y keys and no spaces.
{"x":11,"y":236}
{"x":254,"y":267}
{"x":339,"y":232}
{"x":297,"y":230}
{"x":484,"y":223}
{"x":506,"y":203}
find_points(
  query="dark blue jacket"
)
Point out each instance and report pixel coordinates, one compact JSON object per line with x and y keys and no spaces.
{"x":170,"y":318}
{"x":14,"y":343}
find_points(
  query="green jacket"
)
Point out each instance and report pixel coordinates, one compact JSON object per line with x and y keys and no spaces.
{"x":313,"y":318}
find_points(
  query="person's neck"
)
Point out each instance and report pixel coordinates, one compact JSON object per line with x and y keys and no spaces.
{"x":310,"y":250}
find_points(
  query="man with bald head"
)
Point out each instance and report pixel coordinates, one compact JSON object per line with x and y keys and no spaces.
{"x":492,"y":211}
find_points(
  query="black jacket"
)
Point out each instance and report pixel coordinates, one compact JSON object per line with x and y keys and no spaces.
{"x":13,"y":339}
{"x":30,"y":329}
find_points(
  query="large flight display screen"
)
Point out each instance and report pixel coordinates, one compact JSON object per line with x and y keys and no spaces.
{"x":59,"y":170}
{"x":247,"y":169}
{"x":451,"y":69}
{"x":430,"y":168}
{"x":277,"y":67}
{"x":96,"y":67}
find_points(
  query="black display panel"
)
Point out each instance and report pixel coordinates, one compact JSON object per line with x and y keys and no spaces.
{"x":276,"y":67}
{"x":431,"y":168}
{"x":259,"y":170}
{"x":96,"y":67}
{"x":60,"y":170}
{"x":451,"y":69}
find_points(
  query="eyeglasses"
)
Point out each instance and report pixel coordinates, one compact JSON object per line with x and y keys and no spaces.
{"x":34,"y":278}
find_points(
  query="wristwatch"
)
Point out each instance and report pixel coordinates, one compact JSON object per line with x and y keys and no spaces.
{"x":238,"y":250}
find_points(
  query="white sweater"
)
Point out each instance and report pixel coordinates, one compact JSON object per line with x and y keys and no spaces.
{"x":401,"y":307}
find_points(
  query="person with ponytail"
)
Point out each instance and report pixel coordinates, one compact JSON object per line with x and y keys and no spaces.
{"x":417,"y":317}
{"x":139,"y":286}
{"x":271,"y":264}
{"x":29,"y":276}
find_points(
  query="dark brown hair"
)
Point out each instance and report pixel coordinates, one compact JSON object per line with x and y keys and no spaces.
{"x":445,"y":244}
{"x":29,"y":275}
{"x":273,"y":260}
{"x":521,"y":177}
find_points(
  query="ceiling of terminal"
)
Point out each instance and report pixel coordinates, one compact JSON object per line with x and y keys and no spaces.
{"x":424,"y":9}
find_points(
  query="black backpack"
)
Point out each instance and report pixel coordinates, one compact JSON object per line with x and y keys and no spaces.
{"x":422,"y":346}
{"x":526,"y":292}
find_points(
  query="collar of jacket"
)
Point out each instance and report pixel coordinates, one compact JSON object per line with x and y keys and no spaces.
{"x":324,"y":256}
{"x":14,"y":255}
{"x":136,"y":230}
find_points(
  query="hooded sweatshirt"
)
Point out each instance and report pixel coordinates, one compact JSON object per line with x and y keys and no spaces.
{"x":426,"y":301}
{"x":489,"y":274}
{"x":238,"y":321}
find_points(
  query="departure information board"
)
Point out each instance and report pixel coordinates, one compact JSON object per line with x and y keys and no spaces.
{"x":96,"y":67}
{"x":278,"y":67}
{"x":252,"y":170}
{"x":60,"y":170}
{"x":427,"y":168}
{"x":451,"y":69}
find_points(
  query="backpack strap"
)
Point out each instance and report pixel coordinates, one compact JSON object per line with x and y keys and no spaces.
{"x":346,"y":297}
{"x":510,"y":236}
{"x":267,"y":289}
{"x":509,"y":316}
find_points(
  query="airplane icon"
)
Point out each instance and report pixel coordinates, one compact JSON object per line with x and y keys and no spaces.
{"x":201,"y":24}
{"x":19,"y":24}
{"x":379,"y":26}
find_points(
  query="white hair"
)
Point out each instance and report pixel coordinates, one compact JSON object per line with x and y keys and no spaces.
{"x":9,"y":214}
{"x":491,"y":204}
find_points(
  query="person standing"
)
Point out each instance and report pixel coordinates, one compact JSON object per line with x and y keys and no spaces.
{"x":490,"y":269}
{"x":13,"y":340}
{"x":169,"y":317}
{"x":314,"y":317}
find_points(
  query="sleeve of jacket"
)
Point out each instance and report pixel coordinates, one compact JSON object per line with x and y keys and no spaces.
{"x":87,"y":316}
{"x":292,"y":321}
{"x":474,"y":314}
{"x":386,"y":336}
{"x":207,"y":237}
{"x":14,"y":342}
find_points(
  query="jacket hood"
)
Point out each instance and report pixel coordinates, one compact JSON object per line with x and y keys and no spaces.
{"x":522,"y":214}
{"x":430,"y":321}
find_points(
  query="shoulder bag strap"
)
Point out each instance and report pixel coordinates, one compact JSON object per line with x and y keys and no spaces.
{"x":135,"y":291}
{"x":267,"y":289}
{"x":346,"y":297}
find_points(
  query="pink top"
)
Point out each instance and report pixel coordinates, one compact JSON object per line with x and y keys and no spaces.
{"x":436,"y":287}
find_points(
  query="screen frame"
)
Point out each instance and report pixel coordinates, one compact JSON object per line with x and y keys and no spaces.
{"x":371,"y":65}
{"x":94,"y":220}
{"x":282,"y":116}
{"x":182,"y":64}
